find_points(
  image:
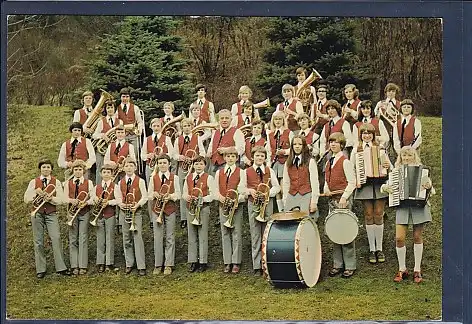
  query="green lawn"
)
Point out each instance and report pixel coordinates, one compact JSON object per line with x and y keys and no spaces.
{"x":35,"y":132}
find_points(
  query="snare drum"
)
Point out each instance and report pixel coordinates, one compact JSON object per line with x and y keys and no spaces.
{"x":341,"y":226}
{"x":291,"y":253}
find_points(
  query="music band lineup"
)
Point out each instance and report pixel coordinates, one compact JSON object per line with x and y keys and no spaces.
{"x":191,"y":168}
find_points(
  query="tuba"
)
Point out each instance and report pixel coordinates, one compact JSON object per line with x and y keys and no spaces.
{"x":199,"y":129}
{"x":99,"y":207}
{"x":130,"y":215}
{"x":169,"y":129}
{"x":195,"y":205}
{"x":262,"y":104}
{"x":39,"y":200}
{"x":101,"y":144}
{"x":229,"y":207}
{"x":261,"y":201}
{"x":74,"y":210}
{"x":246,"y":130}
{"x":161,"y":202}
{"x":388,"y":112}
{"x":303,"y":92}
{"x":186,"y":165}
{"x":92,"y":121}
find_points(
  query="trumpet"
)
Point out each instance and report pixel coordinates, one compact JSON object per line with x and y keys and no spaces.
{"x":186,"y":165}
{"x":195,"y":205}
{"x":169,"y":129}
{"x":40,"y":199}
{"x":74,"y":210}
{"x":199,"y":129}
{"x":99,"y":207}
{"x":262,"y":104}
{"x":157,"y":151}
{"x":261,"y":201}
{"x":389,"y":113}
{"x":130,"y":214}
{"x":92,"y":121}
{"x":229,"y":207}
{"x":161,"y":201}
{"x":101,"y":144}
{"x":119,"y":167}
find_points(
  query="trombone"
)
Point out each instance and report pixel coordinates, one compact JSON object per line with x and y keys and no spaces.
{"x":74,"y":210}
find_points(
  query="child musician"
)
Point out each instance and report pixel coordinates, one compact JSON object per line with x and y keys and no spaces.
{"x":207,"y":108}
{"x":391,"y":92}
{"x":104,"y":125}
{"x":245,"y":94}
{"x":257,"y":175}
{"x":48,"y":187}
{"x":223,"y":138}
{"x":195,"y":113}
{"x":339,"y":175}
{"x":319,"y":109}
{"x":350,"y":110}
{"x":367,"y":117}
{"x":257,"y":139}
{"x":203,"y":183}
{"x":246,"y":117}
{"x":163,"y":213}
{"x":279,"y":143}
{"x":231,"y":178}
{"x":410,"y":214}
{"x":76,"y":148}
{"x":300,"y":178}
{"x":131,"y":195}
{"x":79,"y":193}
{"x":369,"y":193}
{"x":310,"y":136}
{"x":408,"y":129}
{"x":81,"y":115}
{"x":310,"y":96}
{"x":336,"y":124}
{"x":104,"y":194}
{"x":118,"y":148}
{"x":290,"y":106}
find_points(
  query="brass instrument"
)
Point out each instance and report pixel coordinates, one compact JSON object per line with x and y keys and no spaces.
{"x":261,"y":201}
{"x":199,"y":130}
{"x":229,"y":207}
{"x":262,"y":104}
{"x":99,"y":207}
{"x":186,"y":165}
{"x":196,"y":203}
{"x":130,"y":214}
{"x":303,"y":92}
{"x":101,"y":144}
{"x":132,"y":129}
{"x":161,"y":201}
{"x":92,"y":121}
{"x":74,"y":210}
{"x":169,"y":129}
{"x":389,"y":113}
{"x":246,"y":130}
{"x":120,"y":164}
{"x":157,"y":151}
{"x":40,"y":200}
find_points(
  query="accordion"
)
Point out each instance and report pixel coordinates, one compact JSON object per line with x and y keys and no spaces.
{"x":369,"y":164}
{"x":406,"y":182}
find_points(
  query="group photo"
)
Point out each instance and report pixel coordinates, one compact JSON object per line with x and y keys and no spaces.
{"x":278,"y":168}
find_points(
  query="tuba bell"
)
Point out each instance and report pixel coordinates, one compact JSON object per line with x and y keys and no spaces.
{"x":101,"y":144}
{"x":92,"y":121}
{"x":170,"y":129}
{"x":199,"y":129}
{"x":389,"y":113}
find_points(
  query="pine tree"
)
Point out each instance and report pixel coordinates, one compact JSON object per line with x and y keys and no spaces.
{"x":325,"y":44}
{"x":144,"y":57}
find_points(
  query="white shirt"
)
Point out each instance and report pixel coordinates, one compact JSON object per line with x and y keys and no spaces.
{"x":30,"y":192}
{"x":396,"y":136}
{"x":275,"y":186}
{"x":314,"y":182}
{"x":347,"y":134}
{"x":88,"y":111}
{"x":348,"y":172}
{"x":61,"y":161}
{"x":142,"y":189}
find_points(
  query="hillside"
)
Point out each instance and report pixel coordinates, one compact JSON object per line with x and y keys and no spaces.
{"x":38,"y":131}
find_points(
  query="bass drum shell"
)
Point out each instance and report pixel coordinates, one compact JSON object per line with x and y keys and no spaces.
{"x":341,"y":226}
{"x":291,"y":253}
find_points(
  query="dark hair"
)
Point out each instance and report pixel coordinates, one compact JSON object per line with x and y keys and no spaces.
{"x":260,"y":149}
{"x":45,"y":161}
{"x":408,"y":102}
{"x":249,"y":103}
{"x":75,"y":125}
{"x":125,"y":91}
{"x":333,"y":103}
{"x":199,"y":159}
{"x":305,"y":152}
{"x":365,"y":104}
{"x":199,"y":86}
{"x":163,"y":157}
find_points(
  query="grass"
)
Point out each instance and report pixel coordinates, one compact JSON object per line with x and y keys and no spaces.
{"x":34,"y":132}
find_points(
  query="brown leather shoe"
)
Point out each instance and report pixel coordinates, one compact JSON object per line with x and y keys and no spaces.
{"x":417,"y":277}
{"x":401,"y":275}
{"x":128,"y":270}
{"x":235,"y":268}
{"x":101,"y":268}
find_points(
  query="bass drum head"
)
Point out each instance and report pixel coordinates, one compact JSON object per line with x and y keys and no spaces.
{"x":341,"y":226}
{"x":309,"y":251}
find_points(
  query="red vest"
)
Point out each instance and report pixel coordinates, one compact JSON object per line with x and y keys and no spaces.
{"x":318,"y":127}
{"x":241,"y":121}
{"x":338,"y":127}
{"x":249,"y":146}
{"x":108,"y":211}
{"x":170,"y":205}
{"x":335,"y":177}
{"x":354,"y":106}
{"x":83,"y":116}
{"x":205,"y":111}
{"x":409,"y":134}
{"x":253,"y":179}
{"x":309,"y":137}
{"x":80,"y":151}
{"x":292,"y":122}
{"x":226,"y":141}
{"x":47,"y":208}
{"x":240,"y":108}
{"x":106,"y":126}
{"x":374,"y":121}
{"x":202,"y":181}
{"x":129,"y":117}
{"x":124,"y":151}
{"x":231,"y":183}
{"x":134,"y":185}
{"x":161,"y":142}
{"x":299,"y":180}
{"x":82,"y":187}
{"x":284,"y":143}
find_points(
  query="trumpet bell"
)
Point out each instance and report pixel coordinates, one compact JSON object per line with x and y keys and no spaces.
{"x":228,"y":224}
{"x":262,"y":104}
{"x":195,"y":222}
{"x":133,"y":228}
{"x":260,"y":219}
{"x":93,"y":222}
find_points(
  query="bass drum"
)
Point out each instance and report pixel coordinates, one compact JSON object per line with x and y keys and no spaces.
{"x":291,"y":253}
{"x":341,"y":226}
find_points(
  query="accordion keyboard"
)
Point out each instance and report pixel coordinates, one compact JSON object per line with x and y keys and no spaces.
{"x":394,"y":181}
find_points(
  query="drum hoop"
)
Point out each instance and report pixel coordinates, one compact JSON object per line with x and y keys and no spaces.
{"x":265,"y":236}
{"x":341,"y":211}
{"x":297,"y":251}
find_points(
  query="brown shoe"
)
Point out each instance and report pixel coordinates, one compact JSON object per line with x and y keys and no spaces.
{"x":128,"y":270}
{"x":334,"y":271}
{"x":235,"y":268}
{"x":417,"y":277}
{"x":227,"y":268}
{"x":401,"y":275}
{"x":101,"y":268}
{"x":347,"y":273}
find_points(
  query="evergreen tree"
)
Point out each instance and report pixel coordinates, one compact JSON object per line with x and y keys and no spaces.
{"x":144,"y":57}
{"x":325,"y":44}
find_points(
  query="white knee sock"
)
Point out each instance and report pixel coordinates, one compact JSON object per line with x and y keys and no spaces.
{"x":370,"y":229}
{"x":401,"y":256}
{"x":418,"y":252}
{"x":280,"y":205}
{"x":379,"y":233}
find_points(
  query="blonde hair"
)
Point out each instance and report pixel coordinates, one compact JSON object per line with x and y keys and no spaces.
{"x":353,"y":88}
{"x":367,"y":128}
{"x":287,"y":86}
{"x":170,"y":104}
{"x":338,"y":138}
{"x":186,"y":121}
{"x":79,"y":163}
{"x":277,"y":114}
{"x":411,"y":150}
{"x":244,"y":88}
{"x":155,"y":120}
